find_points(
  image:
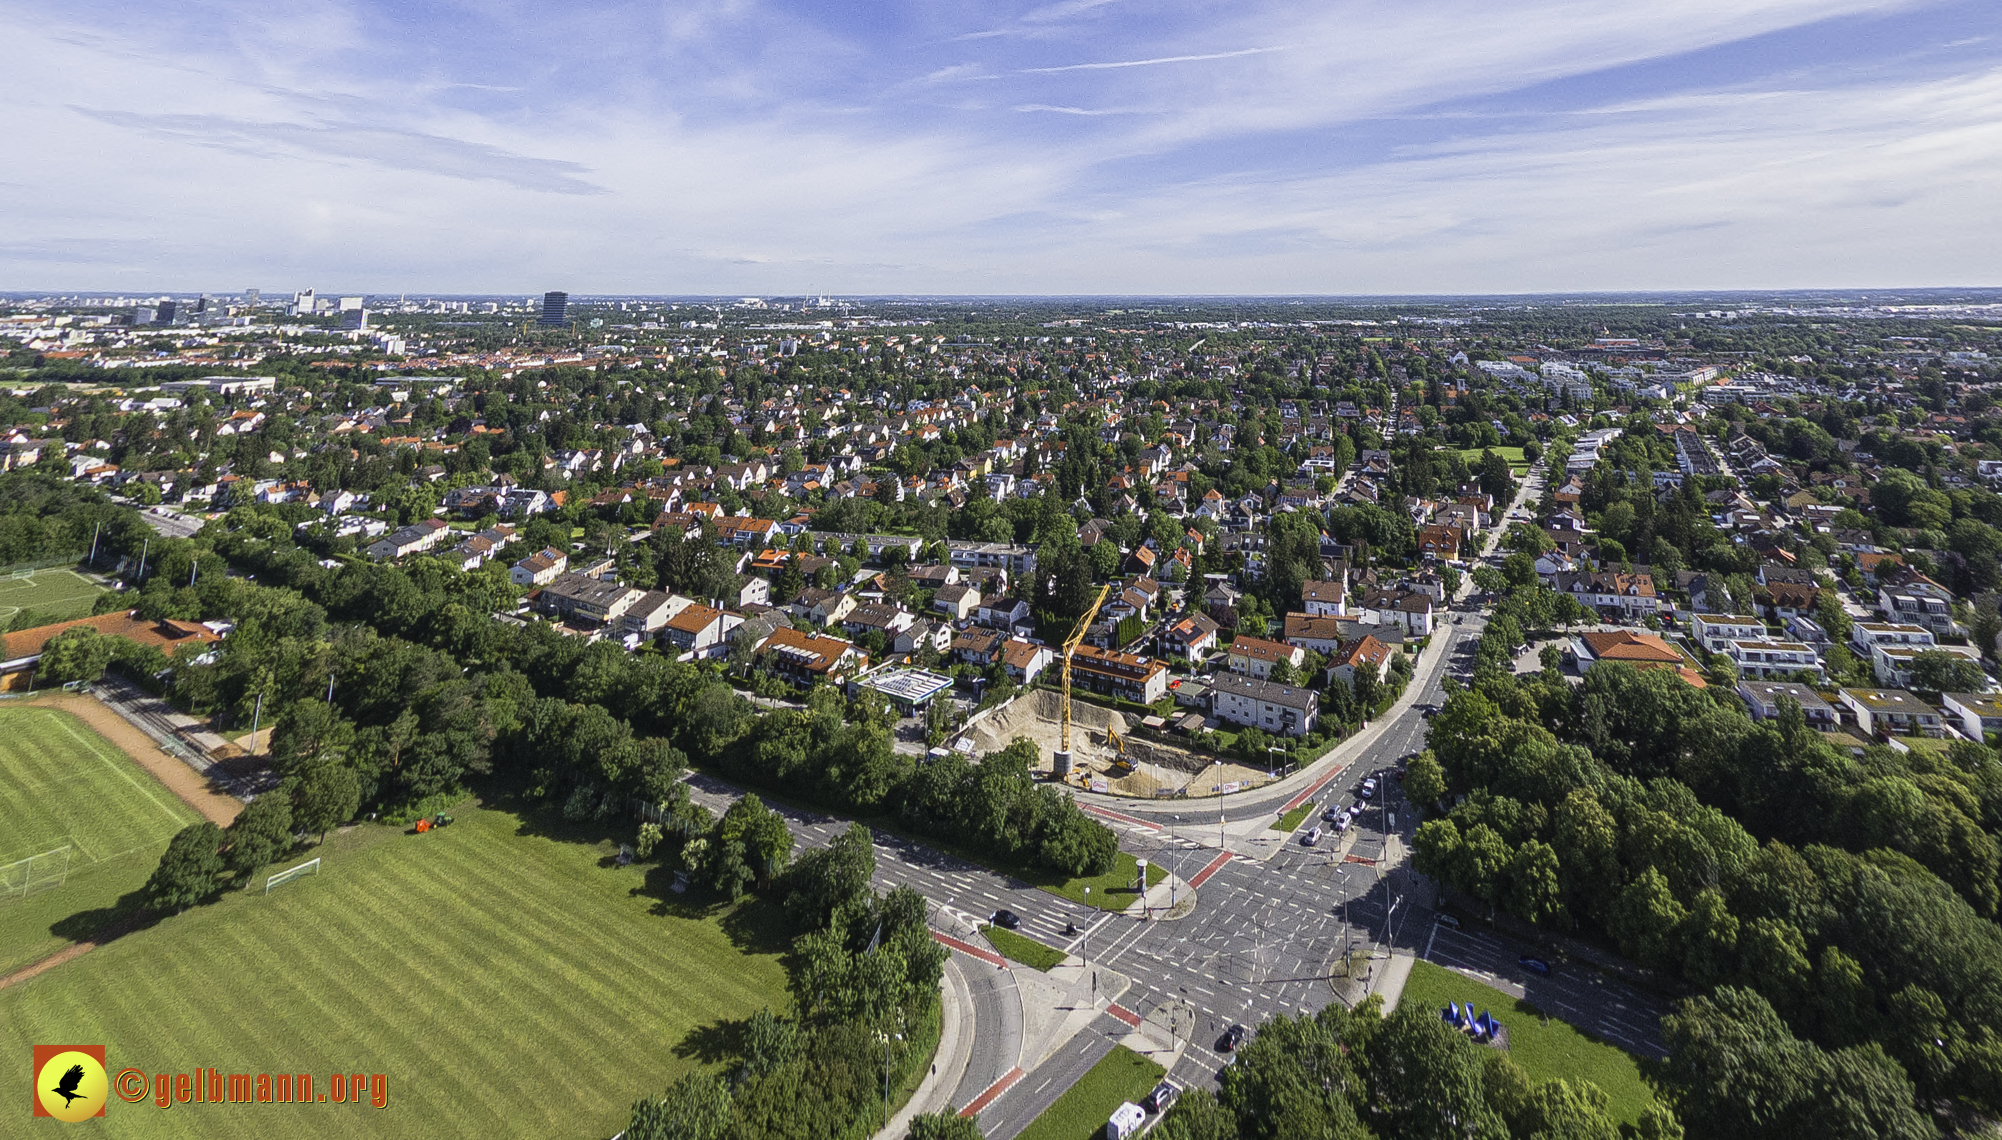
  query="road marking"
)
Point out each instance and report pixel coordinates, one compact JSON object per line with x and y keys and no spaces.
{"x":1214,"y":866}
{"x":1122,"y":1013}
{"x":994,"y":1090}
{"x":967,"y":948}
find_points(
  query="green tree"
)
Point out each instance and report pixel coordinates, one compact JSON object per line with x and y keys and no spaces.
{"x":1424,"y":781}
{"x":831,"y":876}
{"x":1937,"y":671}
{"x":695,"y":1107}
{"x":190,"y":870}
{"x":260,"y":833}
{"x":79,"y":653}
{"x":325,"y":796}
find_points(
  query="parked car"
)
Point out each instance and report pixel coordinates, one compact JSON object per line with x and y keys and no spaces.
{"x":1448,"y":921}
{"x":1368,"y":788}
{"x":1162,"y":1098}
{"x":1533,"y":965}
{"x":1006,"y":919}
{"x":1126,"y":1120}
{"x":1331,"y":815}
{"x":1232,"y":1038}
{"x":1310,"y":837}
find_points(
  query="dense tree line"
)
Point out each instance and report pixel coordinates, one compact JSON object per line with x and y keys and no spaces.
{"x":863,"y":979}
{"x":1856,"y":896}
{"x":1356,"y":1074}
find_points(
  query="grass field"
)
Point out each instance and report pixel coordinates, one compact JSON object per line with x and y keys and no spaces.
{"x":505,"y":973}
{"x":1081,"y":1113}
{"x":58,"y":594}
{"x":1294,"y":818}
{"x":1027,"y":951}
{"x":66,"y":784}
{"x":1546,"y":1049}
{"x":1514,"y":455}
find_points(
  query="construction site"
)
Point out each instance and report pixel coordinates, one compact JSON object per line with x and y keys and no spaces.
{"x":1106,"y":753}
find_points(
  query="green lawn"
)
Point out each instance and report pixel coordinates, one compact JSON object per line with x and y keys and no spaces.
{"x":1027,"y":951}
{"x":1514,"y":455}
{"x":58,"y":595}
{"x":65,"y":784}
{"x":1546,"y":1049}
{"x":1081,"y":1113}
{"x":1294,"y":818}
{"x":504,"y":973}
{"x":1110,"y":891}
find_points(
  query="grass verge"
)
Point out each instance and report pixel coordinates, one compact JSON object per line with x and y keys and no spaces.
{"x":1081,"y":1113}
{"x":1546,"y":1048}
{"x":1027,"y":951}
{"x":1294,"y":818}
{"x":490,"y":969}
{"x":1113,"y":890}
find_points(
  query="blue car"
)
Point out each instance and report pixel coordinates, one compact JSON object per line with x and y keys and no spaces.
{"x":1534,"y":965}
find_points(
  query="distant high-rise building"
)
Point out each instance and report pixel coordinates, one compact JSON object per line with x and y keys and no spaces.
{"x":251,"y":296}
{"x":350,"y":304}
{"x":555,"y":308}
{"x":354,"y":318}
{"x":164,"y":314}
{"x":304,"y":303}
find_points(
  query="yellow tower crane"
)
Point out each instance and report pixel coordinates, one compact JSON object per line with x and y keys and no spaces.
{"x":1061,"y":765}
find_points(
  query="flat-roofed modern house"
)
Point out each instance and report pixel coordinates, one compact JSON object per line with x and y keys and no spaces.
{"x":1975,"y":714}
{"x":1762,"y":700}
{"x":1712,"y":631}
{"x":1890,"y":711}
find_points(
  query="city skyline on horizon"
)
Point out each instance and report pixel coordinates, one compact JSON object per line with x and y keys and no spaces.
{"x":1082,"y":148}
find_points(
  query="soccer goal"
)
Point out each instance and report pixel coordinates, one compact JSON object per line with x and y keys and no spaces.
{"x":36,"y":873}
{"x":309,"y":867}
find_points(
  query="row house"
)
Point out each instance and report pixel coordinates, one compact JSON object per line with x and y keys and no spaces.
{"x":413,"y":539}
{"x":1282,"y":709}
{"x":700,"y":632}
{"x":1122,"y":675}
{"x":1255,"y":656}
{"x":1631,"y":596}
{"x":1714,"y":631}
{"x":806,"y":658}
{"x":586,"y":600}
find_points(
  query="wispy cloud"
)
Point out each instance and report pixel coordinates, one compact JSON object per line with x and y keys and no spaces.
{"x":781,"y":145}
{"x":393,"y":149}
{"x":1115,"y":65}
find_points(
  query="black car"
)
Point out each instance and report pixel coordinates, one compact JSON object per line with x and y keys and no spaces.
{"x":1231,"y":1039}
{"x":1006,"y":919}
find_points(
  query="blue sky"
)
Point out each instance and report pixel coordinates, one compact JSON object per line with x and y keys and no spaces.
{"x":1081,"y":146}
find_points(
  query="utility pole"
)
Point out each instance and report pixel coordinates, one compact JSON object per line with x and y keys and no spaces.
{"x":255,"y":715}
{"x":143,"y":548}
{"x":330,"y":686}
{"x":93,"y":542}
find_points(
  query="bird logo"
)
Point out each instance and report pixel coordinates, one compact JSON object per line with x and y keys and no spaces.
{"x":69,"y":1081}
{"x":66,"y":1088}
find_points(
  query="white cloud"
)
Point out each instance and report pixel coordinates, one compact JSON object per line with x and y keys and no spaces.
{"x":278,"y":154}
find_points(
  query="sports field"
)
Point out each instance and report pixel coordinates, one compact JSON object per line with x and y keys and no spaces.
{"x":508,"y":982}
{"x":59,"y":594}
{"x":65,"y":784}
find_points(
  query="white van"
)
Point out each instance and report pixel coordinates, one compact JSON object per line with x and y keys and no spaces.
{"x":1126,"y":1120}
